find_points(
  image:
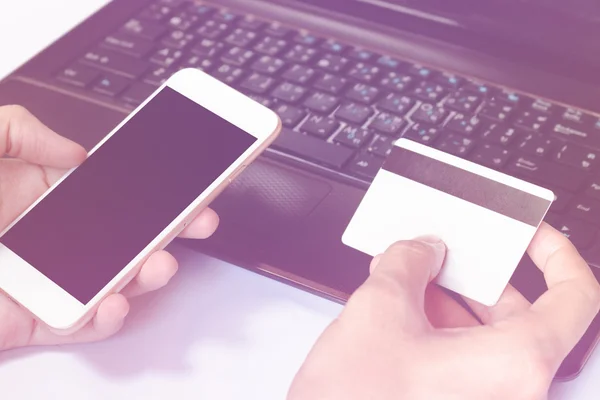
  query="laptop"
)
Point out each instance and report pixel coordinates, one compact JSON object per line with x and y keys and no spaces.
{"x":510,"y":84}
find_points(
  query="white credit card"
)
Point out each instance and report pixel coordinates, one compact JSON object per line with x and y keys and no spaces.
{"x":486,"y":218}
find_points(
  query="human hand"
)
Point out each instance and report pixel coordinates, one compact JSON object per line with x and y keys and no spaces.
{"x":38,"y":158}
{"x":384,"y":345}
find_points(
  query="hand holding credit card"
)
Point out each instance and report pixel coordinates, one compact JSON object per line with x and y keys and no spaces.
{"x":486,"y":218}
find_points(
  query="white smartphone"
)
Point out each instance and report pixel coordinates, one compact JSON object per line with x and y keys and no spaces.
{"x":87,"y":236}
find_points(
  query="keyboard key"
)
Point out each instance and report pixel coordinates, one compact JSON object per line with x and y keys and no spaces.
{"x":270,"y":46}
{"x":289,"y":92}
{"x":238,"y":57}
{"x":250,"y":22}
{"x":429,"y":114}
{"x":365,"y":166}
{"x":585,"y":209}
{"x":508,"y":97}
{"x":490,"y":156}
{"x":449,"y":81}
{"x":455,"y":144}
{"x":501,"y":134}
{"x":268,"y":65}
{"x":593,"y":189}
{"x":420,"y":71}
{"x":138,"y":93}
{"x":257,"y":83}
{"x":580,"y":233}
{"x":463,"y":124}
{"x":111,"y":85}
{"x":208,"y":48}
{"x":183,"y":20}
{"x":360,"y":54}
{"x":577,"y":134}
{"x":354,"y":113}
{"x":158,"y":76}
{"x":267,"y":102}
{"x":532,"y":120}
{"x":364,"y":72}
{"x":544,"y":106}
{"x":353,"y":136}
{"x":290,"y":116}
{"x":390,"y":62}
{"x":496,"y":111}
{"x":144,"y":29}
{"x":577,"y":156}
{"x":332,"y":63}
{"x":537,"y":145}
{"x":202,"y":10}
{"x":212,"y":29}
{"x":539,"y":170}
{"x":423,"y":133}
{"x":131,"y":45}
{"x":575,"y":117}
{"x":313,"y":149}
{"x":396,"y":81}
{"x":178,"y":39}
{"x":228,"y":74}
{"x":277,"y":30}
{"x":429,"y":91}
{"x":156,"y":12}
{"x":322,"y":127}
{"x":333,"y":46}
{"x":321,"y":103}
{"x":396,"y":104}
{"x":331,"y":83}
{"x":226,"y":16}
{"x":115,"y":62}
{"x":166,"y":57}
{"x":307,"y":39}
{"x":387,"y":124}
{"x":198,"y":62}
{"x":79,"y":75}
{"x":381,"y":145}
{"x":241,"y":37}
{"x":479,"y":89}
{"x":301,"y":54}
{"x":463,"y":101}
{"x":299,"y":74}
{"x":362,"y":93}
{"x":561,"y":199}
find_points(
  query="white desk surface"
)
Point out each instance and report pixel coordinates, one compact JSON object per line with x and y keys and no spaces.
{"x":218,"y":332}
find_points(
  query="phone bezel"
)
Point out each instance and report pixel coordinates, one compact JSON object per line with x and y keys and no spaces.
{"x":57,"y":308}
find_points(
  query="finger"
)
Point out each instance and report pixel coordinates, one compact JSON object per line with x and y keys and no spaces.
{"x":395,"y":291}
{"x":108,"y":320}
{"x":24,"y":136}
{"x":203,"y":226}
{"x":511,"y":302}
{"x":444,"y":312}
{"x":156,"y":272}
{"x":562,"y":314}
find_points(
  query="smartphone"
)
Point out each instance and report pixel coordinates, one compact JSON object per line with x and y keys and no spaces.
{"x":87,"y":236}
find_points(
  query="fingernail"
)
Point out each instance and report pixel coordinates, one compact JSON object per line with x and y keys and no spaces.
{"x":438,"y":246}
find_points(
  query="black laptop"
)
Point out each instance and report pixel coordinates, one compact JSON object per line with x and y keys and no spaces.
{"x":510,"y":84}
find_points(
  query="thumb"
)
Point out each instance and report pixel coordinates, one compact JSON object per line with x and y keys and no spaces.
{"x":23,"y":136}
{"x":396,"y":288}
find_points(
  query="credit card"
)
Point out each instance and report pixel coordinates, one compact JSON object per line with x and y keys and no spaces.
{"x":486,"y":218}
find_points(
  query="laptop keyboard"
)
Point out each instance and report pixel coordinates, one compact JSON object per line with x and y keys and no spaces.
{"x":342,"y":107}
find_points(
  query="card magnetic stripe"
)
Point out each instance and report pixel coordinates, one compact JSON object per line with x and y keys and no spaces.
{"x":493,"y":195}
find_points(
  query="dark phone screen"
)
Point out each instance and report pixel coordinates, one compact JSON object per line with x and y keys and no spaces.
{"x":84,"y":232}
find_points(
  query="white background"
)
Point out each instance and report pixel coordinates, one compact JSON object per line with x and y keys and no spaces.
{"x":218,"y":332}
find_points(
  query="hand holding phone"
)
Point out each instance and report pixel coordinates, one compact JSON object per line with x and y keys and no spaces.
{"x":88,"y":235}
